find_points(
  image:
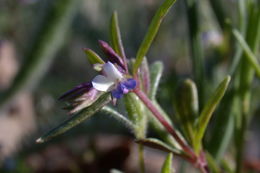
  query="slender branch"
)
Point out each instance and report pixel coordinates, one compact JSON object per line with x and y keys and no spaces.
{"x":141,"y":158}
{"x":167,"y":126}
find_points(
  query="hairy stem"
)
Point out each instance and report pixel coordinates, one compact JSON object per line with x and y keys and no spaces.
{"x":160,"y":118}
{"x":198,"y":161}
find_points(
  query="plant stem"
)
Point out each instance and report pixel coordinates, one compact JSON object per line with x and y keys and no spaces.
{"x":141,"y":158}
{"x":167,"y":126}
{"x":197,"y":161}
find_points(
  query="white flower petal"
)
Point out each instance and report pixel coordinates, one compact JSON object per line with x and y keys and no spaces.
{"x":102,"y":83}
{"x":112,"y":72}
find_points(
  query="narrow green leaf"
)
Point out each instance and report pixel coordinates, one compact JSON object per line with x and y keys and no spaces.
{"x":76,"y":119}
{"x":118,"y":117}
{"x":167,"y":165}
{"x":151,"y":33}
{"x":156,"y":70}
{"x":248,"y":52}
{"x":49,"y":40}
{"x":158,"y":144}
{"x":93,"y":57}
{"x":116,"y":36}
{"x":208,"y":111}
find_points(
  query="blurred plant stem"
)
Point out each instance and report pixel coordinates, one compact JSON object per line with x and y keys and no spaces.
{"x":219,"y":12}
{"x":197,"y":160}
{"x":49,"y":40}
{"x":196,"y":47}
{"x":141,"y":158}
{"x":246,"y":75}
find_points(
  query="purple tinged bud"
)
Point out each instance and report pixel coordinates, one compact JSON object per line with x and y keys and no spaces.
{"x":112,"y":56}
{"x":85,"y":100}
{"x":80,"y":97}
{"x":76,"y":91}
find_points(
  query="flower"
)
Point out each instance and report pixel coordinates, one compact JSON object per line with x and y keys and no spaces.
{"x":113,"y":80}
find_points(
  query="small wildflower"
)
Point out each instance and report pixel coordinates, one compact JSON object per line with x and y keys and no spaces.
{"x":113,"y":78}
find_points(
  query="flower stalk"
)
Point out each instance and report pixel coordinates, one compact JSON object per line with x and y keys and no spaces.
{"x":198,"y":161}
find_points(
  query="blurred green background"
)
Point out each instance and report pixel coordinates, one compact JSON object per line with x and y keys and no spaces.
{"x":45,"y":38}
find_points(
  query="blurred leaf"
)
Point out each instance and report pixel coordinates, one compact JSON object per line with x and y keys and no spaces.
{"x":116,"y":36}
{"x":157,"y":144}
{"x":208,"y":111}
{"x":156,"y":70}
{"x":137,"y":114}
{"x":118,"y":117}
{"x":248,"y":52}
{"x":212,"y":164}
{"x":167,"y":165}
{"x":93,"y":57}
{"x":151,"y":33}
{"x":186,"y":105}
{"x":219,"y":12}
{"x":77,"y":118}
{"x":195,"y":46}
{"x":49,"y":41}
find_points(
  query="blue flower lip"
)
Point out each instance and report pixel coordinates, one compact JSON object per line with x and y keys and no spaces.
{"x":123,"y":88}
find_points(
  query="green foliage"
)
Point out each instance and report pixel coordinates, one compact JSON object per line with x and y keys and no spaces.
{"x":76,"y":119}
{"x":167,"y":165}
{"x":152,"y":31}
{"x":156,"y":70}
{"x":158,"y":144}
{"x":93,"y":57}
{"x":248,"y":52}
{"x":208,"y":110}
{"x":115,"y":35}
{"x":186,"y":107}
{"x":136,"y":113}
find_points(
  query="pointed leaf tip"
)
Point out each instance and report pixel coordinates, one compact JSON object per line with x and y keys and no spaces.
{"x":208,"y":110}
{"x":167,"y":165}
{"x":93,"y":57}
{"x":112,"y":56}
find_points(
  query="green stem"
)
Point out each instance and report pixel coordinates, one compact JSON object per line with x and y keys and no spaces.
{"x":141,"y":158}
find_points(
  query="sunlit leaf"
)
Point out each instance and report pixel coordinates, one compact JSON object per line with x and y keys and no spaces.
{"x":93,"y":57}
{"x":249,"y":54}
{"x":167,"y":165}
{"x":208,"y":110}
{"x":152,"y":31}
{"x":116,"y":36}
